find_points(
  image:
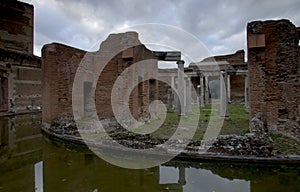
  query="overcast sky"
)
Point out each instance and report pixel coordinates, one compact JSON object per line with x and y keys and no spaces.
{"x":218,"y":24}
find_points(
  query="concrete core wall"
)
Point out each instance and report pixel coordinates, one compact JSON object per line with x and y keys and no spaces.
{"x":274,"y":81}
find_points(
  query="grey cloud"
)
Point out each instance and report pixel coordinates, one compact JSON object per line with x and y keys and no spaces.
{"x":217,"y":23}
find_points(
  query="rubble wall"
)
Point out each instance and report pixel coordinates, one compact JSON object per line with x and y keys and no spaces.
{"x":273,"y":65}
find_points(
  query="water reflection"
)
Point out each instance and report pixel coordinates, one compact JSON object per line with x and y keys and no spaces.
{"x":28,"y":162}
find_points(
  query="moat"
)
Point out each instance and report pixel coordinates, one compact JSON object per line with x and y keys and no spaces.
{"x":31,"y":162}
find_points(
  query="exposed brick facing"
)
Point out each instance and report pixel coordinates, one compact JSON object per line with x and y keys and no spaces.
{"x":16,"y":29}
{"x":61,"y":62}
{"x":274,"y":76}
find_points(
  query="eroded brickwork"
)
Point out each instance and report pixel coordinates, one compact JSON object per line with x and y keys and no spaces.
{"x":16,"y":29}
{"x":61,"y":62}
{"x":20,"y":70}
{"x":237,"y":88}
{"x":273,"y":64}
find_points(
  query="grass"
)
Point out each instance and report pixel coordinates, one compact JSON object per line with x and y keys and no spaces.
{"x":286,"y":145}
{"x":208,"y":116}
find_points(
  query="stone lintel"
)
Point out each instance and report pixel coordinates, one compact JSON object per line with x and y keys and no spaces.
{"x":167,"y":55}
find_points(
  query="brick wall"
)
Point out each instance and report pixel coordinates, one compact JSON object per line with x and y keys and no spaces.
{"x":61,"y":62}
{"x":20,"y":70}
{"x":236,"y":58}
{"x":21,"y":73}
{"x":16,"y":29}
{"x":59,"y":65}
{"x":273,"y":64}
{"x":237,"y":88}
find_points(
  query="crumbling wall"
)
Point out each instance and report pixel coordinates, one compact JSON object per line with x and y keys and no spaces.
{"x":237,"y":88}
{"x":16,"y":29}
{"x":20,"y":70}
{"x":59,"y":65}
{"x":61,"y":62}
{"x":236,"y":58}
{"x":273,"y":64}
{"x":21,"y":74}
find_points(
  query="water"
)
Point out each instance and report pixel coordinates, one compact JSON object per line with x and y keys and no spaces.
{"x":29,"y":162}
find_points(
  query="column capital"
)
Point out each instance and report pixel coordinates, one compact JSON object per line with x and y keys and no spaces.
{"x":180,"y":62}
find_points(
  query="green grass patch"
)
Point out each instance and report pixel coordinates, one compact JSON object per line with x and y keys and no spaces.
{"x":286,"y":145}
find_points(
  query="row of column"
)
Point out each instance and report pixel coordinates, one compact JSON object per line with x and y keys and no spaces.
{"x":184,"y":92}
{"x":182,"y":101}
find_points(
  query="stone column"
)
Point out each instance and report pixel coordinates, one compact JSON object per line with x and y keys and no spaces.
{"x":172,"y":95}
{"x":202,"y":92}
{"x":223,"y":94}
{"x":170,"y":103}
{"x":188,"y":96}
{"x":228,"y":89}
{"x":176,"y":94}
{"x":180,"y":89}
{"x":182,"y":180}
{"x":206,"y":91}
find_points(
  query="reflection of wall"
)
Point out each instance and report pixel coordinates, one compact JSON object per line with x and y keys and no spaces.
{"x":277,"y":182}
{"x":20,"y":134}
{"x":86,"y":172}
{"x":20,"y":146}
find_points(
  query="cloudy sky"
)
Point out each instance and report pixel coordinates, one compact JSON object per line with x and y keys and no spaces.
{"x":218,"y":24}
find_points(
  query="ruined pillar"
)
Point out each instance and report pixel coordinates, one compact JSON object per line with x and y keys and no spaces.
{"x":176,"y":103}
{"x":202,"y":92}
{"x":188,"y":96}
{"x":273,"y":61}
{"x":228,"y":89}
{"x":223,"y":95}
{"x":180,"y":89}
{"x":206,"y":90}
{"x":171,"y":95}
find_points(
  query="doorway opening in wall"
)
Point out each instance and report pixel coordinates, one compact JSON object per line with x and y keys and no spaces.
{"x":87,"y":88}
{"x":3,"y":94}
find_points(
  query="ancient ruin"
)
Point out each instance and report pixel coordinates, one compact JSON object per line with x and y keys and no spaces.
{"x":274,"y":75}
{"x":267,"y":84}
{"x":20,"y":70}
{"x":60,"y":64}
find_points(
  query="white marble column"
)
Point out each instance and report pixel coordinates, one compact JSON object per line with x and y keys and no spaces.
{"x":206,"y":90}
{"x":188,"y":96}
{"x":223,"y":95}
{"x":202,"y":92}
{"x":228,"y":89}
{"x":181,"y":89}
